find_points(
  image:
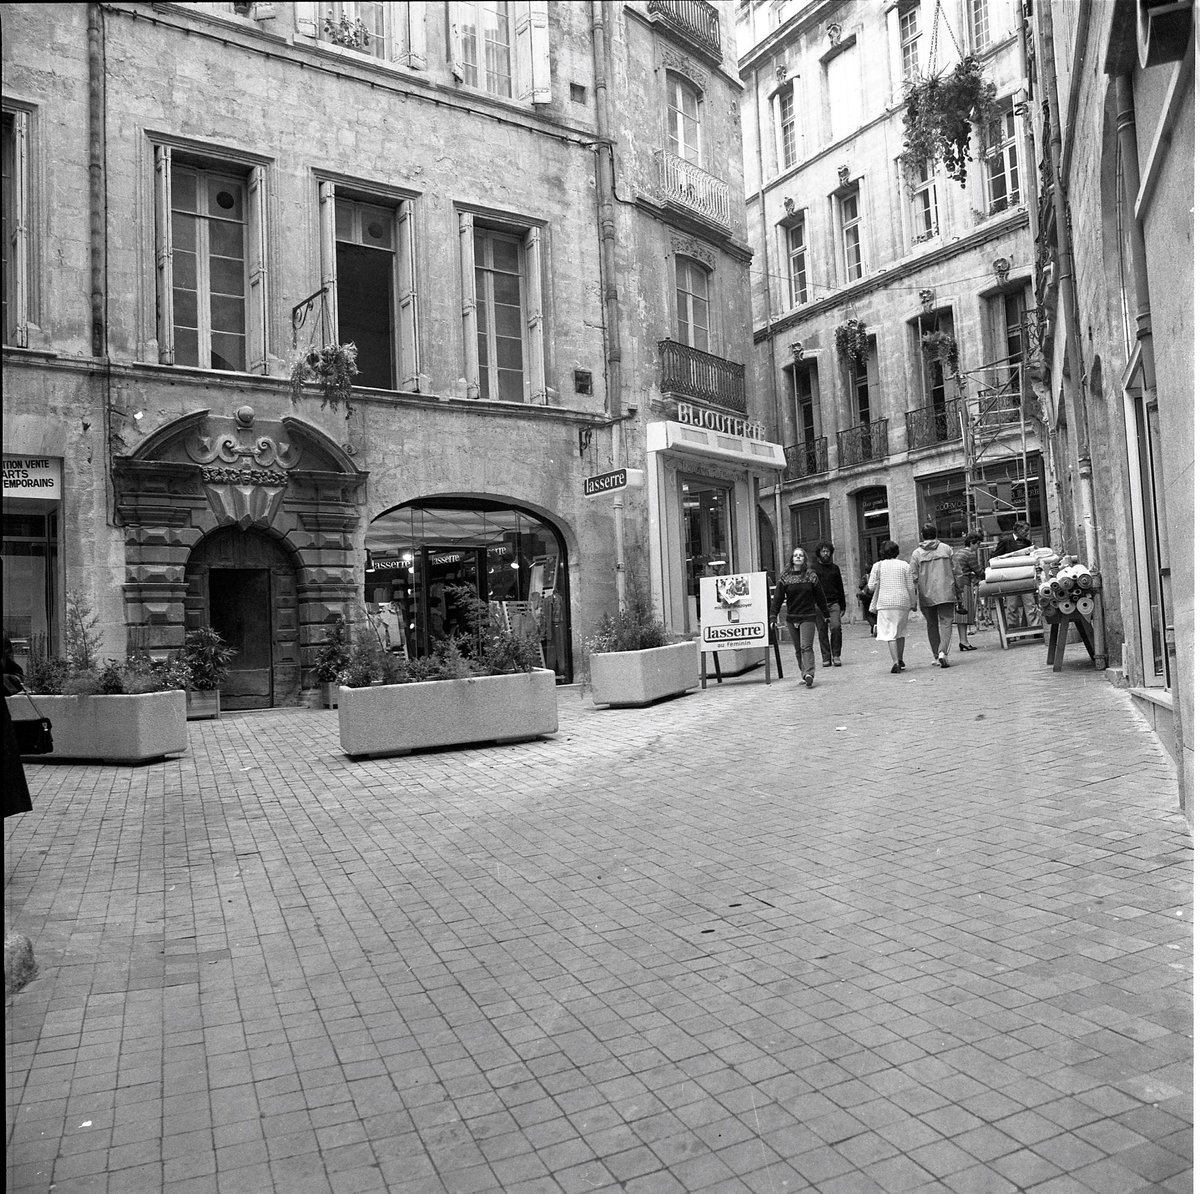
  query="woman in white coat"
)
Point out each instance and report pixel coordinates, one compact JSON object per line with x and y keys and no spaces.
{"x":894,"y":597}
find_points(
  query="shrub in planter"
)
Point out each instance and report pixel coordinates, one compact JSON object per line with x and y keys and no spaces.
{"x":631,"y":660}
{"x":332,"y":659}
{"x":481,"y":684}
{"x":207,"y":659}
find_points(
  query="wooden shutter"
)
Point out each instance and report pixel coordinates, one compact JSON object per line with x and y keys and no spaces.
{"x":19,"y":313}
{"x":329,"y":329}
{"x":534,"y":321}
{"x":457,"y":66}
{"x":306,"y":18}
{"x":408,"y":324}
{"x":164,"y":306}
{"x":539,"y":49}
{"x":257,"y":309}
{"x":414,"y":13}
{"x":470,"y":318}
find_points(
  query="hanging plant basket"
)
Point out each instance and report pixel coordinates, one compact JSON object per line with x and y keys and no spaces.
{"x":334,"y":367}
{"x":852,"y":342}
{"x":939,"y":112}
{"x":941,"y":346}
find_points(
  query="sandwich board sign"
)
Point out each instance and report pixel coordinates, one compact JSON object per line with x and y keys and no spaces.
{"x":734,"y":613}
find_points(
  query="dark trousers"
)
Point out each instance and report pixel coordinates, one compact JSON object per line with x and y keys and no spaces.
{"x":829,"y":632}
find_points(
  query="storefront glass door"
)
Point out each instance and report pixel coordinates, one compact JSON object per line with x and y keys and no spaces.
{"x":707,"y":537}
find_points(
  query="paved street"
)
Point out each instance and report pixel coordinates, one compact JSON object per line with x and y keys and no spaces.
{"x":899,"y":933}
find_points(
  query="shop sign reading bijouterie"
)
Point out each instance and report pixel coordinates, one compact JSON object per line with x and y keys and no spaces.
{"x":715,"y":420}
{"x":37,"y":477}
{"x":733,"y":611}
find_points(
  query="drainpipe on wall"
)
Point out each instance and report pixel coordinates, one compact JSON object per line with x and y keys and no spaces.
{"x":605,"y":186}
{"x":1074,"y":351}
{"x":779,"y":418}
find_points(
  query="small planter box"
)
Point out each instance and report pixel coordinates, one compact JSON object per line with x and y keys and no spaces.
{"x":641,"y":677}
{"x":117,"y":729}
{"x":203,"y":703}
{"x":393,"y":719}
{"x":329,"y":694}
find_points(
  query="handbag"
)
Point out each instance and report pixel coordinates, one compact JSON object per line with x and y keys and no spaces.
{"x":878,"y":577}
{"x":34,"y":735}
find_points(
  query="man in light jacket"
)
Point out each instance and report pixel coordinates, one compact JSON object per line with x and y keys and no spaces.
{"x":933,"y":570}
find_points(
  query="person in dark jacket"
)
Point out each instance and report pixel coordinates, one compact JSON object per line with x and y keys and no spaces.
{"x":806,"y":604}
{"x":829,"y":629}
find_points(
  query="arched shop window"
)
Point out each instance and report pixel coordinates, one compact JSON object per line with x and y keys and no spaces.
{"x":513,"y":559}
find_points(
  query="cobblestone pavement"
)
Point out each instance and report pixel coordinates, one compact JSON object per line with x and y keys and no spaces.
{"x":899,"y":933}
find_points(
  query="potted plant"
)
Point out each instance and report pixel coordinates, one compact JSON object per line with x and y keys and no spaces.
{"x":941,"y":346}
{"x":939,"y":111}
{"x":331,"y":661}
{"x":104,"y":709}
{"x":852,"y":342}
{"x":480,"y":685}
{"x":334,"y":367}
{"x":632,"y":661}
{"x":207,"y":659}
{"x":352,"y":34}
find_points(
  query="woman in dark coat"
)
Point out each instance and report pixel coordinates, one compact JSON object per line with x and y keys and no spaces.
{"x":801,"y":590}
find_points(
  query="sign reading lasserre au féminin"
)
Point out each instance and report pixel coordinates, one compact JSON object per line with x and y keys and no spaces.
{"x":33,"y":477}
{"x":733,"y":611}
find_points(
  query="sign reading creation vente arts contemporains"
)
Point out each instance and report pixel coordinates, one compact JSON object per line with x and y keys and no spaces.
{"x":33,"y":477}
{"x":733,"y":611}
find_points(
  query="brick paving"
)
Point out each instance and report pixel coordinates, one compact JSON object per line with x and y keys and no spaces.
{"x":899,"y":933}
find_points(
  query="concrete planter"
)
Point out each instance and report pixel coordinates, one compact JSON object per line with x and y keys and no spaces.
{"x":393,"y":719}
{"x":203,"y":703}
{"x":640,"y":677}
{"x":124,"y":729}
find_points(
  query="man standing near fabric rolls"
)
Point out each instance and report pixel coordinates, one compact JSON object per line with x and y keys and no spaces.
{"x":1016,"y":540}
{"x":933,"y":572}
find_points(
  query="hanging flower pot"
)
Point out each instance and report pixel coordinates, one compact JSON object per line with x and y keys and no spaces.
{"x":852,"y":342}
{"x":939,"y":112}
{"x":941,"y":346}
{"x":334,"y":367}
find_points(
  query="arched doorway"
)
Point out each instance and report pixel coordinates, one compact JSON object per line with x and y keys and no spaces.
{"x":242,"y":583}
{"x":512,"y":558}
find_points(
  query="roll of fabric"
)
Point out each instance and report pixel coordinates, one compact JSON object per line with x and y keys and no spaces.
{"x":1012,"y":561}
{"x":1085,"y":605}
{"x":1066,"y":607}
{"x":1084,"y":581}
{"x":1002,"y":588}
{"x":1027,"y":575}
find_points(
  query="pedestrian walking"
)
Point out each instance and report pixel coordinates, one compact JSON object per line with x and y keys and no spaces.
{"x":968,"y":572}
{"x":894,"y":597}
{"x":864,"y":600}
{"x":933,"y":572}
{"x":829,"y":630}
{"x":801,"y":590}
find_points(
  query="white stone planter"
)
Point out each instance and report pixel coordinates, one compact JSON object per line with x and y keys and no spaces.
{"x":124,"y":729}
{"x":640,"y":677}
{"x":393,"y":719}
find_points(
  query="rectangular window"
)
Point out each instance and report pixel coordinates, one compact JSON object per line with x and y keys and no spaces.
{"x":924,"y":204}
{"x":30,"y":553}
{"x":860,"y":394}
{"x":691,"y":303}
{"x":932,"y":356}
{"x":1002,"y":178}
{"x":503,"y":335}
{"x":798,"y":262}
{"x":806,"y":409}
{"x":843,"y":90}
{"x":487,"y":42}
{"x":810,"y":524}
{"x":910,"y":41}
{"x":392,"y":33}
{"x":683,"y":120}
{"x":850,"y":221}
{"x":978,"y":23}
{"x":15,"y":232}
{"x":357,"y":26}
{"x":787,"y":127}
{"x":211,"y":262}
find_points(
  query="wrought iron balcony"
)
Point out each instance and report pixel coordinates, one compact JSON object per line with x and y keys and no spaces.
{"x":806,"y":459}
{"x":1000,"y":408}
{"x":695,"y":374}
{"x":928,"y":426}
{"x":693,"y":20}
{"x":863,"y":443}
{"x":694,"y":190}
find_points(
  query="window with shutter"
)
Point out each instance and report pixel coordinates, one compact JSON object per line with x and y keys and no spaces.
{"x":16,"y":229}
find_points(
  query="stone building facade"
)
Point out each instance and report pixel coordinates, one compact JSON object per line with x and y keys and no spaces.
{"x":1114,"y":122}
{"x":522,"y":214}
{"x":930,"y":410}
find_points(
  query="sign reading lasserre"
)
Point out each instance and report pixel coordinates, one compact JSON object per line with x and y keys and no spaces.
{"x":33,"y":477}
{"x":733,"y":611}
{"x":618,"y":478}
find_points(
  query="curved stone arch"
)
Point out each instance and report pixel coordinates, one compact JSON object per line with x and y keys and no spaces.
{"x":204,"y":471}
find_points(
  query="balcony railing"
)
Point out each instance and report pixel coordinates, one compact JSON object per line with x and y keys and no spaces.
{"x":999,"y":408}
{"x":695,"y":190}
{"x":694,"y":20}
{"x":695,"y":374}
{"x":807,"y":459}
{"x":862,"y":444}
{"x":928,"y":426}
